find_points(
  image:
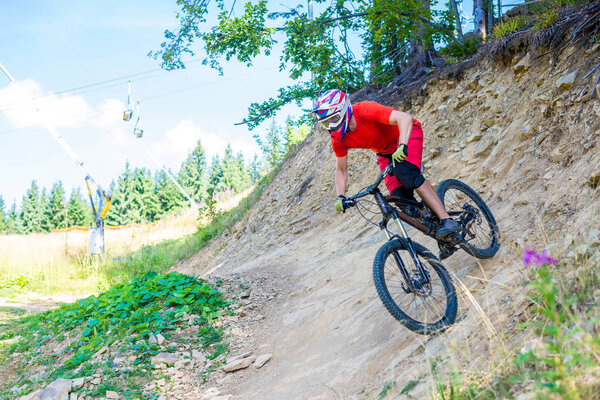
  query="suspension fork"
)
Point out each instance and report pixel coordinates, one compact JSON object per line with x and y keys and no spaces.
{"x":390,"y":213}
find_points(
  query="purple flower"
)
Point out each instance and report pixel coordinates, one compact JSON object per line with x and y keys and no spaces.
{"x":531,"y":256}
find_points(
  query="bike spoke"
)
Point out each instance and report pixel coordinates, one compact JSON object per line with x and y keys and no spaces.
{"x":425,"y":308}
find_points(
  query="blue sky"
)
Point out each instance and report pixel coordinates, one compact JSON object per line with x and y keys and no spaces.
{"x":53,"y":46}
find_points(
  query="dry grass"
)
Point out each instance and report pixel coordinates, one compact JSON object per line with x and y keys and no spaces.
{"x":59,"y":262}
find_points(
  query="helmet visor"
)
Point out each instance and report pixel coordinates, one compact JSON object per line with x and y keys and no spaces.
{"x":331,"y":121}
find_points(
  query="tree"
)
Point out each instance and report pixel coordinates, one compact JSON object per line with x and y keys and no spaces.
{"x":398,"y":37}
{"x":168,"y":195}
{"x":120,"y":211}
{"x":55,"y":209}
{"x":13,"y":220}
{"x":144,"y":202}
{"x":191,"y":174}
{"x":31,"y":210}
{"x":79,"y":213}
{"x":3,"y":219}
{"x":215,"y":176}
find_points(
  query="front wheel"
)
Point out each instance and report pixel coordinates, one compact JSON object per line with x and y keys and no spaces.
{"x":431,"y":304}
{"x":482,"y":236}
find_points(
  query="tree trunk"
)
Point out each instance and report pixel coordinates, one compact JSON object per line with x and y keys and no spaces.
{"x":459,"y":32}
{"x":422,"y":57}
{"x":479,"y":18}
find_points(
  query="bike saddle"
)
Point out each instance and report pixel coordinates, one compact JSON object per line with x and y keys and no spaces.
{"x":404,"y":201}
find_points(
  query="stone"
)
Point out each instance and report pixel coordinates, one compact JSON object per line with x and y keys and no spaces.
{"x":197,"y":355}
{"x":566,"y":81}
{"x":523,"y":65}
{"x":96,"y":381}
{"x":485,"y":145}
{"x":73,"y":396}
{"x":57,"y":390}
{"x":532,"y":345}
{"x":238,"y":364}
{"x":77,"y":383}
{"x":237,"y":331}
{"x":110,"y":395}
{"x":473,"y":137}
{"x":31,"y":395}
{"x":152,"y":339}
{"x":164,"y":358}
{"x":526,"y":132}
{"x":160,"y":339}
{"x":262,"y":359}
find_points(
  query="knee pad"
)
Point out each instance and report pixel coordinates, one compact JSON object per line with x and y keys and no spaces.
{"x":408,"y":175}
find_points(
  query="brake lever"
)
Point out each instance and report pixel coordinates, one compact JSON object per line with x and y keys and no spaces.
{"x":347,"y":204}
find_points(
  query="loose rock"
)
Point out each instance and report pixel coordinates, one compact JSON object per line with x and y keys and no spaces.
{"x":262,"y":359}
{"x":566,"y":81}
{"x":164,"y":358}
{"x":238,"y":364}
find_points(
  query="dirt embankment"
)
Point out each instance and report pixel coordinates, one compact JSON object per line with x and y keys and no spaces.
{"x":524,"y":134}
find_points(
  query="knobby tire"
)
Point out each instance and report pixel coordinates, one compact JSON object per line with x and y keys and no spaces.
{"x":487,"y":233}
{"x":393,"y":295}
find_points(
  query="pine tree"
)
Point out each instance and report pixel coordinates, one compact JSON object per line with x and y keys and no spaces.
{"x":120,"y":211}
{"x":3,"y":219}
{"x":78,"y":211}
{"x":13,"y":220}
{"x":192,"y":171}
{"x":44,"y":223}
{"x":56,"y":208}
{"x":168,"y":195}
{"x":31,"y":210}
{"x":144,"y":202}
{"x":215,"y":176}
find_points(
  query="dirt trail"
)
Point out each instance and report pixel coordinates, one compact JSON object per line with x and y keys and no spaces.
{"x":528,"y":146}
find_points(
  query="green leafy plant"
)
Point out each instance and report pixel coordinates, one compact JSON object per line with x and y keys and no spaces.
{"x":508,"y":26}
{"x":466,"y":49}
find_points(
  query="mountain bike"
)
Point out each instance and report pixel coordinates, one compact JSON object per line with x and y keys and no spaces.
{"x":411,"y":282}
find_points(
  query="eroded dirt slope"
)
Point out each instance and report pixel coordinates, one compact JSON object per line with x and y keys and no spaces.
{"x":523,"y":134}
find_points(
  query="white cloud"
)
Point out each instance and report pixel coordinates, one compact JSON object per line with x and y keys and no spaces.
{"x":108,"y":117}
{"x":25,"y":104}
{"x":179,"y":141}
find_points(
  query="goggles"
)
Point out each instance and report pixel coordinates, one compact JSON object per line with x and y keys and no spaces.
{"x":331,"y":121}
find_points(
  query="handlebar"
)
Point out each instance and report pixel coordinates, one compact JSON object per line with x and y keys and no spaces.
{"x":351,"y":201}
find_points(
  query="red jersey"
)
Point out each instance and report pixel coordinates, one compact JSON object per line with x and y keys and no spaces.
{"x":373,"y":131}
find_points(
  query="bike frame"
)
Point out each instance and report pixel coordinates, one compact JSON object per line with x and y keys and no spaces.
{"x":391,"y":213}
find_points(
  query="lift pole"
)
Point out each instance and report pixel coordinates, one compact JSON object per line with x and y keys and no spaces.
{"x":99,"y":215}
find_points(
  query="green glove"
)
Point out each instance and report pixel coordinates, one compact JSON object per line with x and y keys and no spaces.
{"x":399,"y":155}
{"x":339,"y":204}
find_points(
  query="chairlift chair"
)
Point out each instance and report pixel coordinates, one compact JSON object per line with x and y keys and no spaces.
{"x":128,"y":113}
{"x":138,"y":132}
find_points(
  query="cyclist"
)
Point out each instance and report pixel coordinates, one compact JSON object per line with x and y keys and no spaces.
{"x":393,"y":135}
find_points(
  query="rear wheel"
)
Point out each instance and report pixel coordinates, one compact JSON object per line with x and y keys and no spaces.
{"x":482,"y":236}
{"x":428,"y":308}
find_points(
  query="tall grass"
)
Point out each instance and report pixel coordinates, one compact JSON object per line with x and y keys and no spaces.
{"x":563,"y":324}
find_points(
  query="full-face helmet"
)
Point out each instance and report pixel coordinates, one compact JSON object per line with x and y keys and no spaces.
{"x":333,"y":112}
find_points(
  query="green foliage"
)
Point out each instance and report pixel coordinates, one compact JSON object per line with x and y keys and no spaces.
{"x":318,"y":48}
{"x":79,"y":212}
{"x":56,"y":208}
{"x":122,"y":318}
{"x":564,"y":317}
{"x":387,"y":386}
{"x":241,"y":37}
{"x":3,"y":217}
{"x":191,"y":173}
{"x":546,"y":19}
{"x":508,"y":26}
{"x":460,"y":51}
{"x":31,"y":213}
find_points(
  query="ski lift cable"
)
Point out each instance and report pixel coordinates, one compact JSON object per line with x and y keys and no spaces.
{"x":150,"y":98}
{"x":150,"y":74}
{"x":63,"y":143}
{"x":181,"y":189}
